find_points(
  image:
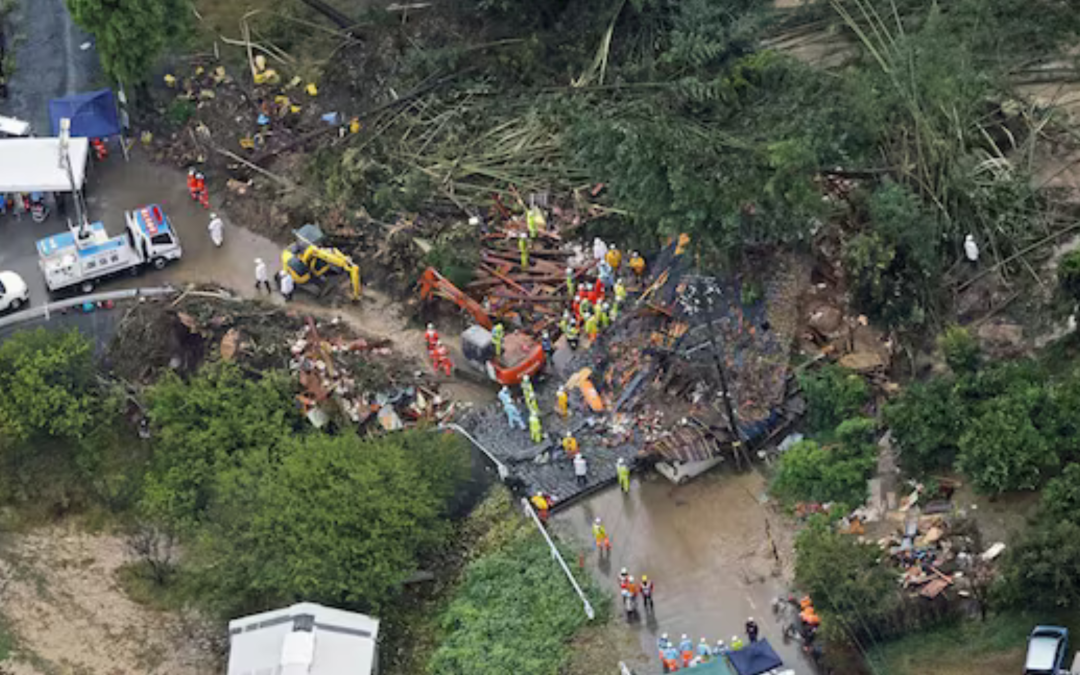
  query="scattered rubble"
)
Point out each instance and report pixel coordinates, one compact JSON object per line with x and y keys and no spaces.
{"x":342,"y":376}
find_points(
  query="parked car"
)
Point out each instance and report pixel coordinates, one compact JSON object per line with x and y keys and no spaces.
{"x":1047,"y":647}
{"x":13,"y":292}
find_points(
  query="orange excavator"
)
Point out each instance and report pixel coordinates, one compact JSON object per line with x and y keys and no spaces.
{"x":521,"y":355}
{"x":433,"y":284}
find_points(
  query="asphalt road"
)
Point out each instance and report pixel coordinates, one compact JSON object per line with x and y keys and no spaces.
{"x":117,"y":186}
{"x":49,"y":61}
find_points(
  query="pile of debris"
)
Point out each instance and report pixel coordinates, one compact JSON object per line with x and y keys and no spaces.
{"x":934,"y":547}
{"x":699,"y":350}
{"x":343,"y":376}
{"x":653,"y":383}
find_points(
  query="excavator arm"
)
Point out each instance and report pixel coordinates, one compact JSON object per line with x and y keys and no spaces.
{"x":333,"y":258}
{"x":433,"y":284}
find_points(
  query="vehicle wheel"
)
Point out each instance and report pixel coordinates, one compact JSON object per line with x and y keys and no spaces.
{"x":16,"y":303}
{"x":159,"y":263}
{"x":87,"y":287}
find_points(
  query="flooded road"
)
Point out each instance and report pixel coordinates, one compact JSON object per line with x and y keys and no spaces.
{"x":704,"y":545}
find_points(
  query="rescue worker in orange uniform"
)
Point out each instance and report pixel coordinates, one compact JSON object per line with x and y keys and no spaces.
{"x":431,"y":337}
{"x":192,"y":184}
{"x":200,"y":188}
{"x":441,"y":357}
{"x":101,"y":151}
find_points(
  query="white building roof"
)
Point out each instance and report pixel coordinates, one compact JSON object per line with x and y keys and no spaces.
{"x":305,"y":639}
{"x":33,"y":164}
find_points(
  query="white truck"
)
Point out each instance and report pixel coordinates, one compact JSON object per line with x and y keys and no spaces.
{"x":85,"y":255}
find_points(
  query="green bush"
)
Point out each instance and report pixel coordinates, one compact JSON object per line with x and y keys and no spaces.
{"x":514,"y":613}
{"x":836,"y":473}
{"x":926,"y":423}
{"x":1041,"y":570}
{"x":1004,"y":449}
{"x":893,"y":264}
{"x":833,"y":394}
{"x":845,"y":578}
{"x":1068,"y":274}
{"x":338,"y":520}
{"x":58,"y":426}
{"x":961,"y":349}
{"x":206,"y":426}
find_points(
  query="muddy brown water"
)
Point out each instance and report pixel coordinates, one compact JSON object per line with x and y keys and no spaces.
{"x":704,"y":544}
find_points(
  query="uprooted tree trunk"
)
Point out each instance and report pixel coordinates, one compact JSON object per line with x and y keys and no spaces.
{"x":157,"y":547}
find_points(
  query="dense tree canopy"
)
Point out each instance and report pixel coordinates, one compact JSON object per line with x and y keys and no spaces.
{"x":47,"y":380}
{"x":207,"y":425}
{"x":834,"y":473}
{"x":333,"y":519}
{"x":130,"y":34}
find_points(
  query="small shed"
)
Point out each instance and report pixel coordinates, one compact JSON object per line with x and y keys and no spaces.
{"x":304,"y":639}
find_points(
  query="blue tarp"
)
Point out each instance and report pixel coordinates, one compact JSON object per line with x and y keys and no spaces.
{"x":92,"y":114}
{"x":755,"y":658}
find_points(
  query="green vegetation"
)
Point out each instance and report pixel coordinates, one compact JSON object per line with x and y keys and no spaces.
{"x":334,"y":520}
{"x":1041,"y":569}
{"x":692,"y":125}
{"x":961,"y":349}
{"x":993,"y":646}
{"x":894,"y":261}
{"x":58,"y":445}
{"x":514,"y":613}
{"x":852,"y":591}
{"x":1008,"y":426}
{"x":833,"y":394}
{"x":1068,"y":274}
{"x":130,"y":35}
{"x":837,"y":473}
{"x":269,"y":510}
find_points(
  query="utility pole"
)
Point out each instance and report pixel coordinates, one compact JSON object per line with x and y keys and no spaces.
{"x":721,"y":371}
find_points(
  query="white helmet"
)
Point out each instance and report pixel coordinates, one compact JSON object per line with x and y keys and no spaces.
{"x":213,"y":215}
{"x":704,"y":641}
{"x":685,"y":636}
{"x":569,"y":270}
{"x":598,"y":517}
{"x":623,"y":572}
{"x":431,"y":326}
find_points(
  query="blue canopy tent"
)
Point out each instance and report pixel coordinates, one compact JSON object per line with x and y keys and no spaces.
{"x":755,"y":658}
{"x":92,"y":114}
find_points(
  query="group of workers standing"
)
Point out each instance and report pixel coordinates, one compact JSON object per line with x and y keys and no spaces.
{"x":437,"y":351}
{"x":196,"y":185}
{"x":595,"y":306}
{"x":686,"y":655}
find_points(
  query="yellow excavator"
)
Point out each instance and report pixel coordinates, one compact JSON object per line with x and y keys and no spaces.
{"x":311,"y":265}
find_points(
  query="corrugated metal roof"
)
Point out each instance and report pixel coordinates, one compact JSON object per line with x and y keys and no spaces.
{"x":340,"y":642}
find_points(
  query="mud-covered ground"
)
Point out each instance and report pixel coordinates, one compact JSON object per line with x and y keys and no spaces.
{"x":66,"y":612}
{"x":706,"y":546}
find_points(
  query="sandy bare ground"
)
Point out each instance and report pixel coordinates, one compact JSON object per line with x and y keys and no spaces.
{"x":60,"y":597}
